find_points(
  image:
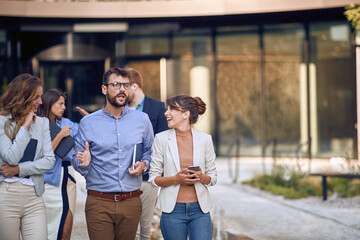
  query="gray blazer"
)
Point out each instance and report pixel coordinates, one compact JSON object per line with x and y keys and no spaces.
{"x":12,"y":151}
{"x":165,"y":162}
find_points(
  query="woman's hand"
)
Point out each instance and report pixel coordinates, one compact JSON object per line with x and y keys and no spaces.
{"x":65,"y":131}
{"x":183,"y":177}
{"x":84,"y":157}
{"x":30,"y":117}
{"x":8,"y":170}
{"x":203,"y":178}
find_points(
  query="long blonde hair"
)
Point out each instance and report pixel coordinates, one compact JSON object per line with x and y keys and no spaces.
{"x":17,"y":100}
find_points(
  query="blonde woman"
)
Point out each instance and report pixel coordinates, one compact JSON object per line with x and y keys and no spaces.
{"x":22,"y":209}
{"x":184,"y":198}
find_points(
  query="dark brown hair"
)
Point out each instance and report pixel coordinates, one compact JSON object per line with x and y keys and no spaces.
{"x":194,"y":105}
{"x":135,"y":77}
{"x":17,"y":99}
{"x":48,"y":99}
{"x":117,"y":71}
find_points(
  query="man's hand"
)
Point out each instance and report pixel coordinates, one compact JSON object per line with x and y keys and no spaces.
{"x":84,"y":157}
{"x":8,"y":170}
{"x":139,"y":168}
{"x":82,"y":111}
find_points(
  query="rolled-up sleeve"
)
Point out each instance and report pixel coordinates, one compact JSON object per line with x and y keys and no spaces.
{"x":157,"y":161}
{"x":148,"y":142}
{"x":210,"y":166}
{"x":80,"y":147}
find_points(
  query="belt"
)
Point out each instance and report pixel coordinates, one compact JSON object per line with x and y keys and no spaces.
{"x":115,"y":196}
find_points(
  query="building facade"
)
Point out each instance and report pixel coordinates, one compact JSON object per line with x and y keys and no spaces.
{"x":277,"y":78}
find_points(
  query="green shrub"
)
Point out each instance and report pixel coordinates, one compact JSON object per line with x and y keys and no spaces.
{"x":354,"y":188}
{"x":300,"y":185}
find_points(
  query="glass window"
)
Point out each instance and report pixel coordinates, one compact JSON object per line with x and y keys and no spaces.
{"x":283,"y":76}
{"x":4,"y":68}
{"x":150,"y":72}
{"x":146,"y":45}
{"x":238,"y":90}
{"x":190,"y":71}
{"x":333,"y":91}
{"x":80,"y":80}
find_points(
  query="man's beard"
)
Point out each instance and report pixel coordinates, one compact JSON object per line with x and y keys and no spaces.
{"x":113,"y":102}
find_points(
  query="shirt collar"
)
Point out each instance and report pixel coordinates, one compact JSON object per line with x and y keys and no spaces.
{"x":125,"y":111}
{"x":140,"y":106}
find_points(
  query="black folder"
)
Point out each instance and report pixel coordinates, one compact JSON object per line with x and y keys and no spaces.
{"x":29,"y":153}
{"x":65,"y":145}
{"x":137,"y":153}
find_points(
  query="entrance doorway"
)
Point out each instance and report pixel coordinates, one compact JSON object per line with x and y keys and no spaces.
{"x":80,"y":80}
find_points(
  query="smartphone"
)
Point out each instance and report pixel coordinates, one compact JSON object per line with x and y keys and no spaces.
{"x":194,"y":168}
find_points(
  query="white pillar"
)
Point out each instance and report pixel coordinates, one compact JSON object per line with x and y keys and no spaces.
{"x":200,"y":87}
{"x":358,"y":98}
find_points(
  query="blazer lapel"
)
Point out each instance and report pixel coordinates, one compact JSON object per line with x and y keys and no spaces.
{"x":174,"y":149}
{"x":196,"y":147}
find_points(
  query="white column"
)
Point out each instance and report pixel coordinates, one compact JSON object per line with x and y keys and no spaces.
{"x":358,"y":97}
{"x":200,"y":87}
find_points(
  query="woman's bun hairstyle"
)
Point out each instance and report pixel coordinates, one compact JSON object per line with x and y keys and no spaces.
{"x":201,"y":105}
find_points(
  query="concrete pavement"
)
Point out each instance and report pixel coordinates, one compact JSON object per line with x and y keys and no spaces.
{"x":242,"y":212}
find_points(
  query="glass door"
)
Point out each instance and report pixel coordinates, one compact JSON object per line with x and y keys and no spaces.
{"x":80,"y":80}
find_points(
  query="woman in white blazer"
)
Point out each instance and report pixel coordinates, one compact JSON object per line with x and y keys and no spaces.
{"x":22,"y":209}
{"x":184,"y":198}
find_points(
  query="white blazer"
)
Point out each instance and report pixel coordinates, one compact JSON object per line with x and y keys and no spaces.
{"x":165,"y":162}
{"x":12,"y":151}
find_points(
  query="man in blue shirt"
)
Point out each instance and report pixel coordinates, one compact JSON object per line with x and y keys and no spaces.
{"x":155,"y":110}
{"x":105,"y":146}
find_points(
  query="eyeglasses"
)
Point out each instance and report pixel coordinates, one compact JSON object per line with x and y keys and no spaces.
{"x":117,"y":85}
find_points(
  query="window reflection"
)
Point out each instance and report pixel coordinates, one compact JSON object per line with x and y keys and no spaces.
{"x":238,"y":90}
{"x":335,"y":108}
{"x":282,"y":62}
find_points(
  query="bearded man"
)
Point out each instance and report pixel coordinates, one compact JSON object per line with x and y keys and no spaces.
{"x":105,"y":157}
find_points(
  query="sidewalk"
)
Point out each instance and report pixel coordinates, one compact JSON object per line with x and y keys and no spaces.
{"x":242,"y":212}
{"x":259,"y":215}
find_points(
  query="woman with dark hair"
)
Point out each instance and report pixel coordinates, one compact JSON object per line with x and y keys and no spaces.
{"x":60,"y":194}
{"x":183,"y":165}
{"x":25,"y":154}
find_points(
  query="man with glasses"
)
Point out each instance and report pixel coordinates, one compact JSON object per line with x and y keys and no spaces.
{"x":155,"y":110}
{"x":105,"y":147}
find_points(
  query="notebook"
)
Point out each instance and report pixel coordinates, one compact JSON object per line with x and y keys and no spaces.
{"x":29,"y":153}
{"x":65,"y":145}
{"x":137,"y":153}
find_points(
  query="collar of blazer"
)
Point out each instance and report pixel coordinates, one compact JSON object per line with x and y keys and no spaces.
{"x":174,"y":149}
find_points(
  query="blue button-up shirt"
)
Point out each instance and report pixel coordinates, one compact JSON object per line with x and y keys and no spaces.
{"x":111,"y":143}
{"x":140,"y":106}
{"x":53,"y":176}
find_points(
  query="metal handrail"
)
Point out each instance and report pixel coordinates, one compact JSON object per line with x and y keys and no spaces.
{"x":297,"y":154}
{"x":235,"y":176}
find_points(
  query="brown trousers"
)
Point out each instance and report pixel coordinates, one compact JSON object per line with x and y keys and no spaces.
{"x":107,"y":219}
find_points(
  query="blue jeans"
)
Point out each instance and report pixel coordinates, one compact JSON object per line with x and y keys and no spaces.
{"x":186,"y":219}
